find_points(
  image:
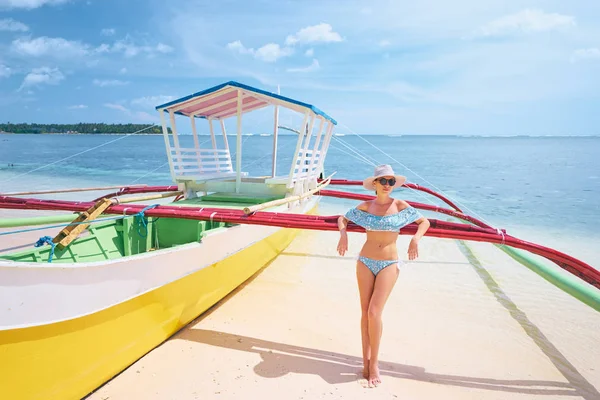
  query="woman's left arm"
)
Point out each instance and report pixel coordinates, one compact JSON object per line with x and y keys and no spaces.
{"x":423,"y":223}
{"x":423,"y":226}
{"x":413,"y":247}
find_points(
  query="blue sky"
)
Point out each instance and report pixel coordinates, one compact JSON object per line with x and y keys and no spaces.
{"x":497,"y":67}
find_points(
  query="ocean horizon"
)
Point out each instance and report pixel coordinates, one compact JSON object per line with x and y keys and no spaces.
{"x":575,"y":136}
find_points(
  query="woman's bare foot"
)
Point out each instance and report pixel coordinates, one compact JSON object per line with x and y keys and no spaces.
{"x":374,"y":378}
{"x":366,"y":370}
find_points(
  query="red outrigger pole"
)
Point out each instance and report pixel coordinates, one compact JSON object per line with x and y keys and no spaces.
{"x":479,"y":231}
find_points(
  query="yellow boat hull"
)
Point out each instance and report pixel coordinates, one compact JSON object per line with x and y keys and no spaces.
{"x":70,"y":359}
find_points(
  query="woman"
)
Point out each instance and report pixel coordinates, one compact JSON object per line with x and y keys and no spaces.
{"x":378,"y":264}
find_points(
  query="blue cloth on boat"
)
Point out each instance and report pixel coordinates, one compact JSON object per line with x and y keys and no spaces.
{"x":388,"y":223}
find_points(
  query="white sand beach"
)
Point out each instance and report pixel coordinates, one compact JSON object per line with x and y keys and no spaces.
{"x":455,"y":327}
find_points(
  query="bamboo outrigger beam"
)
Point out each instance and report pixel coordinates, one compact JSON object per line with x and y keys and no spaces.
{"x":70,"y":190}
{"x":144,"y":198}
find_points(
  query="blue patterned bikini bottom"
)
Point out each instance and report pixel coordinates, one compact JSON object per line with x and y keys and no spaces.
{"x":376,"y":266}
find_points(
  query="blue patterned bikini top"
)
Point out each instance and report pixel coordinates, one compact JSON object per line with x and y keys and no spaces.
{"x":389,"y":223}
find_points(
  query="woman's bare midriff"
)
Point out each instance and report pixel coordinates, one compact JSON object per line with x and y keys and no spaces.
{"x":380,"y":246}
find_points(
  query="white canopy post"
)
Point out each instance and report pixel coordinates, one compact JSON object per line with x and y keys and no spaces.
{"x":238,"y":150}
{"x":302,"y":176}
{"x":275,"y":132}
{"x":325,"y":147}
{"x":196,"y":142}
{"x":214,"y":143}
{"x":175,"y":138}
{"x":316,"y":148}
{"x":224,"y":132}
{"x":194,"y":132}
{"x":174,"y":130}
{"x":165,"y":131}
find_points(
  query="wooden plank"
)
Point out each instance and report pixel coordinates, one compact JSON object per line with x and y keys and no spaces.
{"x":70,"y":233}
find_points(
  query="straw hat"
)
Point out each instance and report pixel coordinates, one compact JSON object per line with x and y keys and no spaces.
{"x":380,"y":171}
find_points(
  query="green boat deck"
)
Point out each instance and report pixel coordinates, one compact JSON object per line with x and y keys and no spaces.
{"x":125,"y":237}
{"x":226,"y":200}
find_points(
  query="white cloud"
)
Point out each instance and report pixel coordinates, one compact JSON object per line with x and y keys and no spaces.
{"x":384,"y":43}
{"x":366,"y":11}
{"x":9,"y":24}
{"x":130,"y":49}
{"x":136,"y":116}
{"x":78,"y":107}
{"x":103,"y":48}
{"x":527,"y":21}
{"x":312,"y":67}
{"x":109,"y":82}
{"x":316,"y":33}
{"x":123,"y":71}
{"x":63,"y":48}
{"x":43,"y":75}
{"x":270,"y":52}
{"x":107,"y":32}
{"x":28,"y":4}
{"x":46,"y":46}
{"x":163,"y":48}
{"x":116,"y":107}
{"x":237,"y":46}
{"x":586,"y":54}
{"x":151,"y":101}
{"x":4,"y":71}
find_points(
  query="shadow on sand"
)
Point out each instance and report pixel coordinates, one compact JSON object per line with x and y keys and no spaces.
{"x":279,"y":359}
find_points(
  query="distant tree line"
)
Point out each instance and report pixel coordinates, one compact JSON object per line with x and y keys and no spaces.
{"x":78,"y":128}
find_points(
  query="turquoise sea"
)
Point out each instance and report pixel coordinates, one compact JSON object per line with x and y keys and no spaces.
{"x":542,"y":189}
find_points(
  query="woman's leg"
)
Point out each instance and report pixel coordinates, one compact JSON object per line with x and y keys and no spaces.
{"x":384,"y":283}
{"x":366,"y":281}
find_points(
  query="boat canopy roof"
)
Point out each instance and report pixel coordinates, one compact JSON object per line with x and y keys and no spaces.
{"x":220,"y":102}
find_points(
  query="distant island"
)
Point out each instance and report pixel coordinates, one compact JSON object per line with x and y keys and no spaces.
{"x":80,"y":128}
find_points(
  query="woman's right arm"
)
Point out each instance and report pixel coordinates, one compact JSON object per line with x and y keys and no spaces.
{"x":343,"y":242}
{"x":343,"y":224}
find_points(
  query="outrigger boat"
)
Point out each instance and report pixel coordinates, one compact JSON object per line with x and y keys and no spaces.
{"x":122,"y":276}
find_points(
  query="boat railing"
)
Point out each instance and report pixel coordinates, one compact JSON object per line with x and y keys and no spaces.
{"x":199,"y":161}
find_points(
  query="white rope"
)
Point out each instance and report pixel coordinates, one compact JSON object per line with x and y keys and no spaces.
{"x":352,"y":155}
{"x":241,"y":145}
{"x":75,"y":155}
{"x":425,"y":180}
{"x":361,"y":157}
{"x":374,"y":164}
{"x":145,"y":175}
{"x":364,"y":155}
{"x":499,"y":232}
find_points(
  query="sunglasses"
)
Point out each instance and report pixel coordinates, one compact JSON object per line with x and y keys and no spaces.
{"x":385,"y":181}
